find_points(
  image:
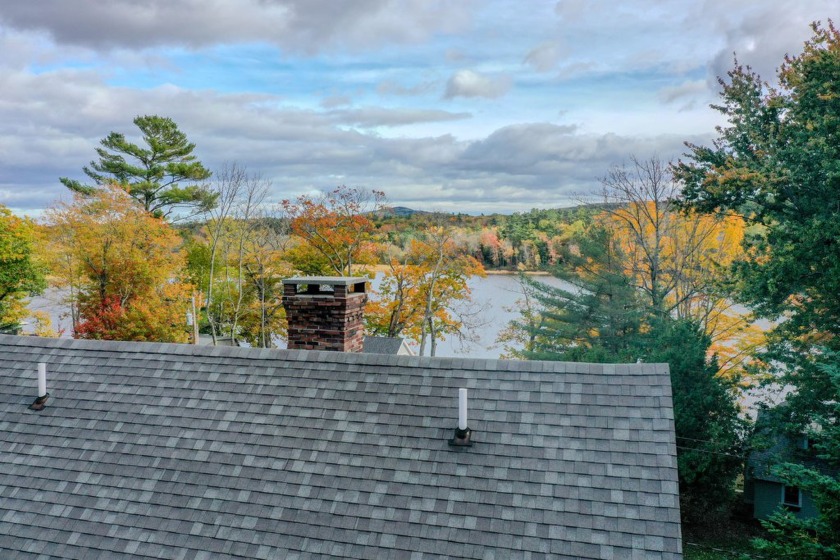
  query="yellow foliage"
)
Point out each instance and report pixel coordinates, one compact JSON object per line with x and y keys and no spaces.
{"x":122,"y":265}
{"x":679,"y":260}
{"x":43,"y":325}
{"x":420,"y":286}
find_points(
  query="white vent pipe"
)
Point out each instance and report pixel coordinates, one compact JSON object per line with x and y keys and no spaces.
{"x":42,"y":379}
{"x":462,"y":409}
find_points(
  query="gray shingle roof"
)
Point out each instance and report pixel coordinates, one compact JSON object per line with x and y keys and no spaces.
{"x":150,"y":450}
{"x":385,"y":345}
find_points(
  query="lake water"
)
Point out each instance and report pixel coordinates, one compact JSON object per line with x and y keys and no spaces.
{"x":497,"y":294}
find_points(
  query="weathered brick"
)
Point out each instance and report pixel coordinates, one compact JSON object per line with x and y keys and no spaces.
{"x":322,"y":320}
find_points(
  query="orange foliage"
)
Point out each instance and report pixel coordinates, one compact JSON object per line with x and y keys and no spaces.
{"x":125,"y":266}
{"x":335,"y":225}
{"x":418,"y":291}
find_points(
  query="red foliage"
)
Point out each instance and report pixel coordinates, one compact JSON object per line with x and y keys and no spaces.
{"x":104,"y":320}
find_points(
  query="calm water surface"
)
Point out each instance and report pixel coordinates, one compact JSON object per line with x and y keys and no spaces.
{"x":498,"y":295}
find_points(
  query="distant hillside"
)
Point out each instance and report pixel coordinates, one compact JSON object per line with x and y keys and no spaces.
{"x":398,"y":211}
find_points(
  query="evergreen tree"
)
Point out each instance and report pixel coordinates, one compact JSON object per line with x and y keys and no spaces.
{"x":709,"y":430}
{"x":153,"y":175}
{"x":815,"y":538}
{"x":595,"y":318}
{"x":777,"y":164}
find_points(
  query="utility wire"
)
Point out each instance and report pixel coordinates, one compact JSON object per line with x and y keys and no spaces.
{"x":708,"y":451}
{"x":734,"y":553}
{"x":717,"y":443}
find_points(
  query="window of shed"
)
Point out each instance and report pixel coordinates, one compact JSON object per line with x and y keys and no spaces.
{"x":792,"y":498}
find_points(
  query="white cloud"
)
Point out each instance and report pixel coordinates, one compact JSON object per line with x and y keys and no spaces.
{"x":690,"y":89}
{"x":545,"y":57}
{"x":760,"y":35}
{"x":391,"y":87}
{"x":572,"y":9}
{"x":51,"y":123}
{"x":336,"y":101}
{"x":294,"y":89}
{"x":467,"y":83}
{"x":371,"y":117}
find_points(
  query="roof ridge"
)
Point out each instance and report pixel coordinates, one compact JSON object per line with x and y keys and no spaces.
{"x":434,"y":362}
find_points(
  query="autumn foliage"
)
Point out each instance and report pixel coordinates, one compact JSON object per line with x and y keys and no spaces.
{"x":422,"y":287}
{"x":680,"y":261}
{"x":123,"y":265}
{"x":336,"y":227}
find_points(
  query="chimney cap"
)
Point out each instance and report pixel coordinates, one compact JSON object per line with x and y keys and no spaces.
{"x":327,"y":280}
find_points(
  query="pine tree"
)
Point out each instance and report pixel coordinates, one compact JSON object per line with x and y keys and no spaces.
{"x":153,"y":175}
{"x":595,"y":318}
{"x":603,"y":317}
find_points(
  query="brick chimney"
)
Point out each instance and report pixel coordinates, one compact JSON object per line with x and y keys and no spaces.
{"x":325,"y":312}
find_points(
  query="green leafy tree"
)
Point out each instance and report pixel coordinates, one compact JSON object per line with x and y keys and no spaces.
{"x":20,"y":274}
{"x":163,"y":176}
{"x":818,"y":537}
{"x":777,"y":164}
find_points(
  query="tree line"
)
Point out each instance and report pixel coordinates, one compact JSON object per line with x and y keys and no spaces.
{"x":653,"y":271}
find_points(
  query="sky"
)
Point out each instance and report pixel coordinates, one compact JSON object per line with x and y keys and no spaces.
{"x":460,"y":106}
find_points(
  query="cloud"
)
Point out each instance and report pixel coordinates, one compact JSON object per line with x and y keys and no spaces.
{"x":244,"y":81}
{"x":690,"y":89}
{"x":336,"y":101}
{"x":390,"y":87}
{"x":762,"y":37}
{"x":50,"y":124}
{"x":294,"y":25}
{"x":467,"y":83}
{"x":679,"y":39}
{"x":513,"y":169}
{"x":545,"y":57}
{"x":371,"y":117}
{"x":521,"y":149}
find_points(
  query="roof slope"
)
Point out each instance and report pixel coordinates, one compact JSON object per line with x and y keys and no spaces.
{"x":385,"y":345}
{"x":150,"y":450}
{"x":772,"y":447}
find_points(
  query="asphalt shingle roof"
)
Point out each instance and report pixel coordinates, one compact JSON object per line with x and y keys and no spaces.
{"x":150,"y":450}
{"x":383,"y":345}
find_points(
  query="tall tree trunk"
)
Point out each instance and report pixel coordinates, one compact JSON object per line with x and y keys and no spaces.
{"x":194,"y":320}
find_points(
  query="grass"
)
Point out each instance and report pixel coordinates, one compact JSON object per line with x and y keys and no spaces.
{"x":732,"y":541}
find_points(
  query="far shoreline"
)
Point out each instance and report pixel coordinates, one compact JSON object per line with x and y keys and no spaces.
{"x":384,"y":268}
